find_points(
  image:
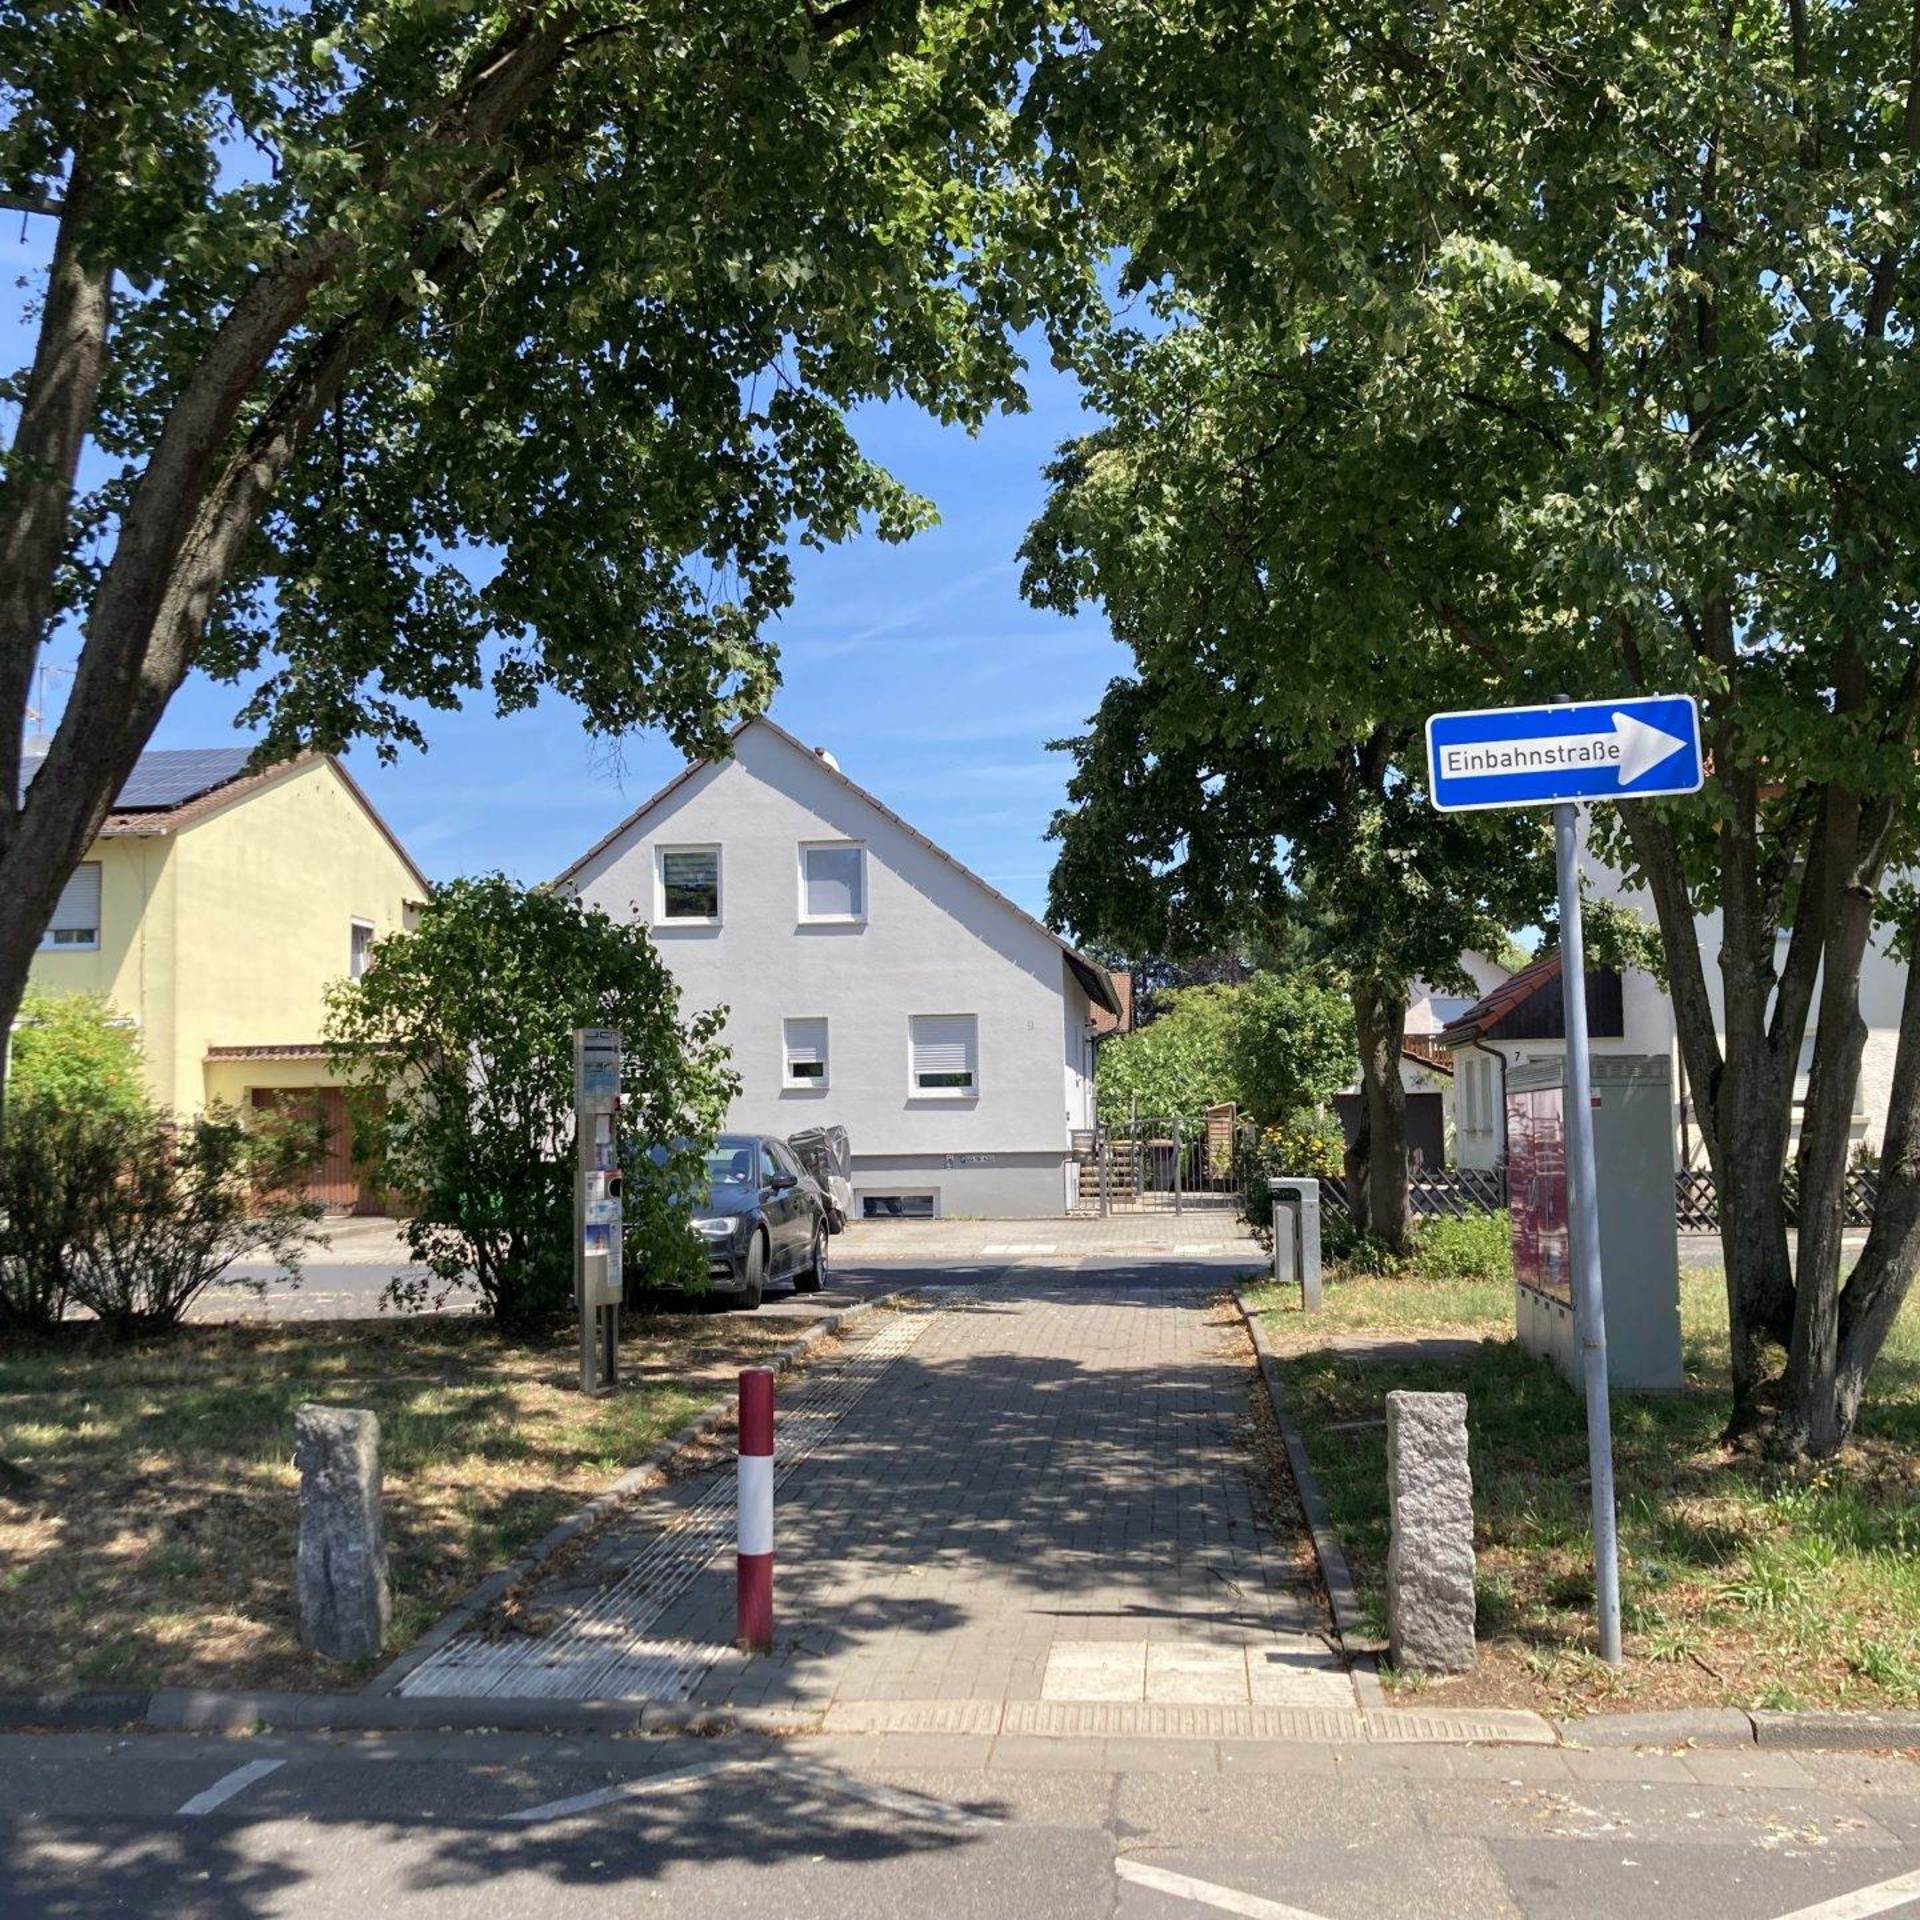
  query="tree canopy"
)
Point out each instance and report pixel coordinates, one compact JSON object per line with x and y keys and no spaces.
{"x":458,"y":1043}
{"x":1600,"y":322}
{"x":391,"y":352}
{"x":1262,"y":767}
{"x":1278,"y":1047}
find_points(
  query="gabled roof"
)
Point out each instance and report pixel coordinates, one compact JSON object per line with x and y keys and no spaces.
{"x":174,"y":787}
{"x":165,"y":777}
{"x":1090,"y":974}
{"x":1120,"y":1020}
{"x":1530,"y":1006}
{"x":1486,"y":1013}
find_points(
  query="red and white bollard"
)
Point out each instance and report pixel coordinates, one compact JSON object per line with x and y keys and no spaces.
{"x":754,"y":1512}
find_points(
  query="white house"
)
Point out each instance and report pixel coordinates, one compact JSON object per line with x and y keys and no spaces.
{"x":870,"y":980}
{"x":1427,"y":1071}
{"x":1630,"y":1013}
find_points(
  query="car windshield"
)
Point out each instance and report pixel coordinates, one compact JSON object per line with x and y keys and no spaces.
{"x":730,"y":1164}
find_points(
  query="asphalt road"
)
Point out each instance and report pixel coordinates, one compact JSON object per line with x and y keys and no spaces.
{"x":481,"y":1825}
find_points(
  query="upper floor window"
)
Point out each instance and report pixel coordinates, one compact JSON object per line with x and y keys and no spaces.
{"x":687,"y":885}
{"x":360,"y":948}
{"x":944,"y":1050}
{"x":75,"y":926}
{"x":833,"y":880}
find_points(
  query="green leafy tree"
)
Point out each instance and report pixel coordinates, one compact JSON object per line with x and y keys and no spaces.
{"x":1262,"y":767}
{"x":1608,"y":319}
{"x":1293,"y":1046}
{"x":73,"y":1050}
{"x":458,"y":1043}
{"x":387,"y":351}
{"x":74,"y":1075}
{"x":1279,"y":1047}
{"x":1177,"y":1066}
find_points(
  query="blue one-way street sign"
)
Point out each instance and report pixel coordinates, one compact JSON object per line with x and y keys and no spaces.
{"x":1584,"y":750}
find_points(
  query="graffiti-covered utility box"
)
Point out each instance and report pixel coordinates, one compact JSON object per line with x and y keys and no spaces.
{"x":1639,"y":1250}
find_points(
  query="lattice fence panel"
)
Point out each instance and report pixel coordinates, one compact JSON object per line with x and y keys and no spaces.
{"x":1455,"y":1193}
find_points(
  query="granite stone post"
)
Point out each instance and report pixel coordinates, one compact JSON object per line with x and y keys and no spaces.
{"x":340,"y":1571}
{"x":1430,"y":1557}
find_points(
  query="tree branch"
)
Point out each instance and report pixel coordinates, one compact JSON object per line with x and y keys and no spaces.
{"x":1886,"y":269}
{"x":36,"y":499}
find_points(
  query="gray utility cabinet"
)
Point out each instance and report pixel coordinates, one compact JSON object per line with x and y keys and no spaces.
{"x":1639,"y":1248}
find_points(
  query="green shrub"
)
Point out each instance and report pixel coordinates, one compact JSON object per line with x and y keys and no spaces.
{"x":133,"y":1216}
{"x":1307,"y":1144}
{"x":58,"y":1161}
{"x":72,"y":1049}
{"x":458,"y":1040}
{"x":184,"y":1201}
{"x":1480,"y":1247}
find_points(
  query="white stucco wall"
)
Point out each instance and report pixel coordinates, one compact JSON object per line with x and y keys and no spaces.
{"x":1649,"y":1013}
{"x":1647,"y":1017}
{"x":934,"y":941}
{"x":1429,"y":1009}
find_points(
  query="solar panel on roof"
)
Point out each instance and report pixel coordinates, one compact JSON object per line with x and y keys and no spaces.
{"x":167,"y":776}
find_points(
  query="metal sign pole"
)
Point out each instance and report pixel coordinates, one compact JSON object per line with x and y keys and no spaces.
{"x":1584,"y":1219}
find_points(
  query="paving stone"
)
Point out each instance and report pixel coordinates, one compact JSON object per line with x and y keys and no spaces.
{"x":1053,"y":1482}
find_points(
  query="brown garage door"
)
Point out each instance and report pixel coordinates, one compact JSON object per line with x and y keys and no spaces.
{"x":338,"y":1184}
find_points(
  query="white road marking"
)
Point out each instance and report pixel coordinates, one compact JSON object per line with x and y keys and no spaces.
{"x":1882,"y":1897}
{"x":1183,"y":1886}
{"x":229,"y":1784}
{"x":910,"y":1806}
{"x":629,"y":1789}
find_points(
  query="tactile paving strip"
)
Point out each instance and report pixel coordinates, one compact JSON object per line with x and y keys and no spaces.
{"x":599,"y":1650}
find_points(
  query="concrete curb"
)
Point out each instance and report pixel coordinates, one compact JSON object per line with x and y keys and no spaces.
{"x":1342,"y":1594}
{"x":193,"y":1710}
{"x":1810,"y":1731}
{"x":1699,"y":1727}
{"x":496,"y":1585}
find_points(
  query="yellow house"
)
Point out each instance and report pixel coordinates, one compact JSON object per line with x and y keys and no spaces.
{"x":215,"y":909}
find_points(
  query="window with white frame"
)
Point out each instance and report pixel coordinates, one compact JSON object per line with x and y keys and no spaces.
{"x":944,"y":1050}
{"x":833,"y":881}
{"x":360,"y":948}
{"x":804,"y":1049}
{"x":687,"y":885}
{"x":75,"y":926}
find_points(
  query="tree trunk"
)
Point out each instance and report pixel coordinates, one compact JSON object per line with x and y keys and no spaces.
{"x":1380,"y":1019}
{"x":1877,"y":1289}
{"x":1742,"y":1098}
{"x":1806,"y":1423}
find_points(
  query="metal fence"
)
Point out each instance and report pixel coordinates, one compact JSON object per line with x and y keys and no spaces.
{"x":1151,"y":1165}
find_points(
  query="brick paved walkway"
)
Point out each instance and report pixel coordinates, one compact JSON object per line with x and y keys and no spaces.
{"x":1045,"y":1497}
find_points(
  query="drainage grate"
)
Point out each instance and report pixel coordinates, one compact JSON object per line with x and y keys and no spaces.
{"x":600,"y":1651}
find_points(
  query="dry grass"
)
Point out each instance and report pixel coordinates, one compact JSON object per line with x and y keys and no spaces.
{"x":1743,"y":1584}
{"x":155,"y":1543}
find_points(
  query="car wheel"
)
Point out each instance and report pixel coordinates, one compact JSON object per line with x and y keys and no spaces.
{"x":755,"y":1282}
{"x":813,"y":1276}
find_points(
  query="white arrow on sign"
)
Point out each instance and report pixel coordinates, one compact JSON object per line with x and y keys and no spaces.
{"x":1633,"y":748}
{"x":1642,"y":748}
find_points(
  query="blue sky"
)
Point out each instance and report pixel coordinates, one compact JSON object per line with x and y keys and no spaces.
{"x":935,"y":686}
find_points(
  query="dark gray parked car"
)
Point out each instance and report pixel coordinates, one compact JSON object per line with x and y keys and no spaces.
{"x":764,"y":1219}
